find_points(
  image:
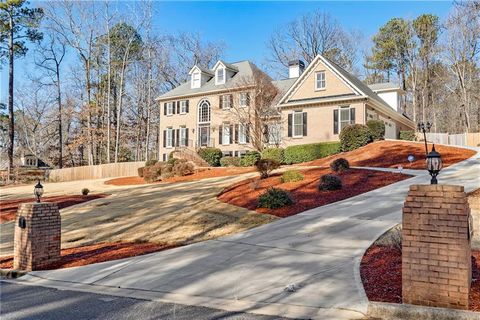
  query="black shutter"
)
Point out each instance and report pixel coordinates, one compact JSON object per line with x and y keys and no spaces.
{"x":265,"y":133}
{"x":220,"y":141}
{"x":231,"y":133}
{"x":304,"y":124}
{"x":335,"y":121}
{"x":290,"y":125}
{"x":164,"y":138}
{"x":164,"y":108}
{"x":352,"y":115}
{"x":186,"y":135}
{"x":236,"y":133}
{"x":220,"y":105}
{"x":178,"y":138}
{"x":173,"y":107}
{"x":187,"y":108}
{"x":230,"y":100}
{"x":178,"y":106}
{"x":248,"y":133}
{"x":248,"y":99}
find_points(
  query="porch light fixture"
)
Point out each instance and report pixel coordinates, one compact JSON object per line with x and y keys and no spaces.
{"x":38,"y":191}
{"x":434,"y":164}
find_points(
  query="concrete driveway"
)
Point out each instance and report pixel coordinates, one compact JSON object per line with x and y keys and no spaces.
{"x":305,"y":266}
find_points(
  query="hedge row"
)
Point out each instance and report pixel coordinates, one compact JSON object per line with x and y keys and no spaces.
{"x":309,"y":152}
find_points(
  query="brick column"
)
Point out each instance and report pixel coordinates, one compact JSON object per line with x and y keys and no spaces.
{"x":436,"y":257}
{"x":37,"y":236}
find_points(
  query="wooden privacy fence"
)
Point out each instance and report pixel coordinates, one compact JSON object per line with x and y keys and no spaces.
{"x":110,"y":170}
{"x":461,"y":139}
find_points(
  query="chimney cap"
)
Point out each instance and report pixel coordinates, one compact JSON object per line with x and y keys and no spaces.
{"x":300,"y":63}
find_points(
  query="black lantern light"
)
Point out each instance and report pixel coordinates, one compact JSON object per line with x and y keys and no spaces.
{"x":38,"y":191}
{"x":434,"y":164}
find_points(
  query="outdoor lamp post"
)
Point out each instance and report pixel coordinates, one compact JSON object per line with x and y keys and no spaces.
{"x":434,"y":164}
{"x":38,"y":191}
{"x":424,"y":127}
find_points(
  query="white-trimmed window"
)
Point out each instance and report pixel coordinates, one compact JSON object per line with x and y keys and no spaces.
{"x":183,"y":137}
{"x":196,"y":80}
{"x":220,"y":76}
{"x":297,"y":124}
{"x":345,"y":118}
{"x":320,"y":82}
{"x":169,"y":108}
{"x":244,"y":100}
{"x":204,"y":112}
{"x":275,"y":133}
{"x":242,"y":133}
{"x":169,"y":138}
{"x":183,"y":106}
{"x":226,"y":134}
{"x":226,"y":101}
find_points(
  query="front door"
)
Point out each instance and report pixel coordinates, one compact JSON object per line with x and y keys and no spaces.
{"x":204,"y":136}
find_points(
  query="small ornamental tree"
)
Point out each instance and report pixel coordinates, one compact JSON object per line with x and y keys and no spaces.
{"x":266,"y":166}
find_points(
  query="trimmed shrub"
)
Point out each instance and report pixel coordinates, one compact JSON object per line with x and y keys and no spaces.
{"x":140,"y":171}
{"x":309,"y":152}
{"x":354,"y":136}
{"x":152,"y":173}
{"x":330,"y":182}
{"x":274,"y":153}
{"x":339,"y":165}
{"x":250,"y":158}
{"x":408,"y":135}
{"x":167,"y":171}
{"x":172,"y":160}
{"x":182,"y":168}
{"x":274,"y":198}
{"x":266,"y":166}
{"x":377,"y":129}
{"x":292,"y":176}
{"x":150,"y":162}
{"x":230,"y":161}
{"x":85,"y":191}
{"x":211,"y":155}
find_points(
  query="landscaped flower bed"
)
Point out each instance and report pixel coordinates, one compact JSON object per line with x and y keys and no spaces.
{"x":391,"y":154}
{"x":8,"y":208}
{"x":305,"y":193}
{"x":381,"y":272}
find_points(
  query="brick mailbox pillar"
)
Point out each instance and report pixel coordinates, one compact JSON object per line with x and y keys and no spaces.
{"x":37,"y":236}
{"x":436,"y":257}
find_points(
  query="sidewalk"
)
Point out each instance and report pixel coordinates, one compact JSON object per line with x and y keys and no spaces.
{"x":315,"y":255}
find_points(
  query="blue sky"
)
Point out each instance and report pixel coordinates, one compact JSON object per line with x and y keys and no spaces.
{"x":245,"y":27}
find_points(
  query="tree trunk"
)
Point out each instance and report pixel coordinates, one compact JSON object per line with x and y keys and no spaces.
{"x":59,"y":100}
{"x":11,"y":129}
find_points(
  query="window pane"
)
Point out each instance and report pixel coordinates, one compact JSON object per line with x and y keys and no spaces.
{"x":242,"y":134}
{"x":345,"y":114}
{"x":226,"y":134}
{"x":298,"y":124}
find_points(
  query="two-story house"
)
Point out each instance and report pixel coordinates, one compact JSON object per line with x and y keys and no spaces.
{"x":313,"y":105}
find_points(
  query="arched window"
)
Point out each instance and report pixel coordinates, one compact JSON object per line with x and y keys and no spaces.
{"x":204,"y":111}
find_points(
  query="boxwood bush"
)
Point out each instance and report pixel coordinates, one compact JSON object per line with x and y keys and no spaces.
{"x":211,"y":155}
{"x":354,"y":136}
{"x":309,"y":152}
{"x":250,"y":158}
{"x":292,"y":176}
{"x":377,"y":129}
{"x":230,"y":161}
{"x":330,"y":182}
{"x":339,"y":165}
{"x":274,"y":198}
{"x":274,"y":153}
{"x":408,"y":135}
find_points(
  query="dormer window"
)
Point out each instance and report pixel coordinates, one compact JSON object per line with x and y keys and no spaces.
{"x":195,"y":80}
{"x":320,"y":81}
{"x":220,"y":76}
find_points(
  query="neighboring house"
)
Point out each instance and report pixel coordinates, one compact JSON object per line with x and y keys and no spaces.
{"x":30,"y":161}
{"x":313,"y":105}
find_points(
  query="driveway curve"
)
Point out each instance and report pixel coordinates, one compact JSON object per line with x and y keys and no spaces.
{"x":304,"y":266}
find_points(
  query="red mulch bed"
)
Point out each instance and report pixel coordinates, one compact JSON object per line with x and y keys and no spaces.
{"x":381,"y":272}
{"x":8,"y":208}
{"x":100,"y":252}
{"x":200,"y":174}
{"x":305,"y":193}
{"x":391,"y":154}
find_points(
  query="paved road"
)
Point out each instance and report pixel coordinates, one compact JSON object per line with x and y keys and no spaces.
{"x":38,"y":303}
{"x":305,"y":266}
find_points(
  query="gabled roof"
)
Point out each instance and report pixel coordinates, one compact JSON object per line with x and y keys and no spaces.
{"x":201,"y":69}
{"x":227,"y":65}
{"x":245,"y":70}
